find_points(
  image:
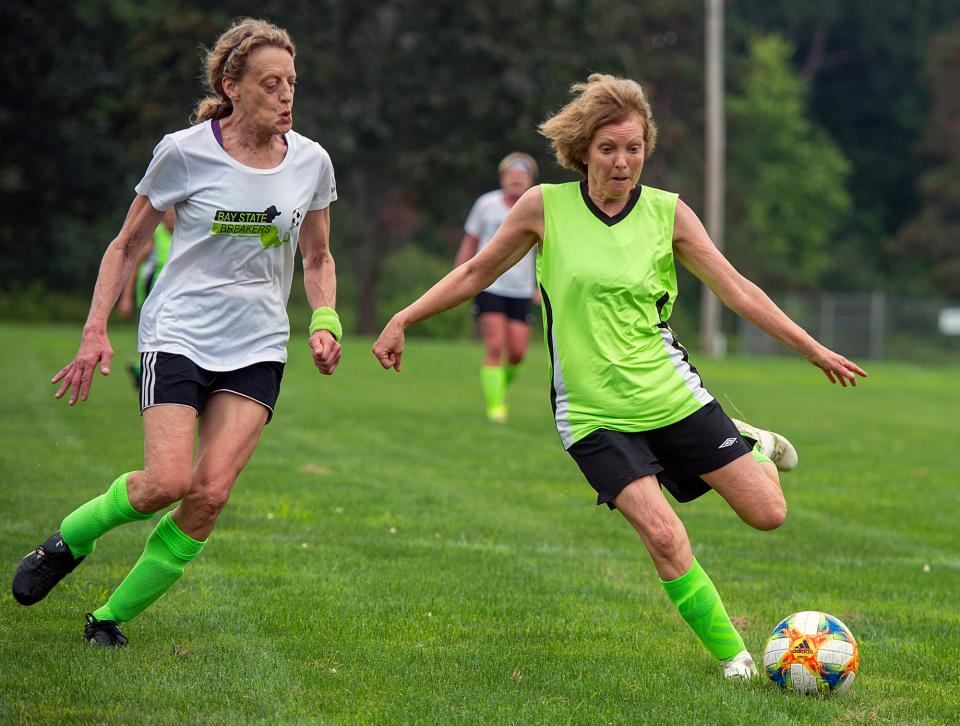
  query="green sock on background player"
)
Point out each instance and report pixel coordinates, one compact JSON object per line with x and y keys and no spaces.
{"x":164,"y":557}
{"x":494,"y":382}
{"x":510,"y":372}
{"x":82,"y":527}
{"x":699,"y":604}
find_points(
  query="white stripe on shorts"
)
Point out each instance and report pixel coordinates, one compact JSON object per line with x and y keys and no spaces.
{"x":148,"y":379}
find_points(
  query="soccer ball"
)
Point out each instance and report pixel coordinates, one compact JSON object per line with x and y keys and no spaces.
{"x":812,"y":652}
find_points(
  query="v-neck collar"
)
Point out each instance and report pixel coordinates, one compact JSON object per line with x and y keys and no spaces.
{"x":599,"y":213}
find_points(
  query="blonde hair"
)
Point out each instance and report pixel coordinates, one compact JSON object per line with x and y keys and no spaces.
{"x":603,"y":99}
{"x":228,"y":60}
{"x":518,"y":157}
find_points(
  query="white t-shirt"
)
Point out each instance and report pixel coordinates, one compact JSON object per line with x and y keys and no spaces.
{"x":484,"y":219}
{"x":221,"y":298}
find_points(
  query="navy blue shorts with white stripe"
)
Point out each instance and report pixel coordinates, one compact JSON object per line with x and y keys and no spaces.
{"x":173,"y":379}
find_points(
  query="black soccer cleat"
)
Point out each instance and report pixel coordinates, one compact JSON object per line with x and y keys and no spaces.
{"x":43,"y":568}
{"x":104,"y":633}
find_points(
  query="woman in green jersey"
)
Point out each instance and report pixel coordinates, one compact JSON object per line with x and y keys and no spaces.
{"x":629,"y":406}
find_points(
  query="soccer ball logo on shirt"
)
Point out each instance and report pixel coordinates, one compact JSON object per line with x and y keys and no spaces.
{"x":255,"y":224}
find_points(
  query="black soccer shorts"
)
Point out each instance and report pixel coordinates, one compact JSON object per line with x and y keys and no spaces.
{"x":170,"y":378}
{"x":677,"y":454}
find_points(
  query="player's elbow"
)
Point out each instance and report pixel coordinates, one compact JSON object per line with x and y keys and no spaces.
{"x":317,"y":261}
{"x":128,"y":245}
{"x":477,"y":275}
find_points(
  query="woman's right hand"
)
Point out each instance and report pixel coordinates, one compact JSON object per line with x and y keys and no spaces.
{"x":389,"y":346}
{"x":78,"y":374}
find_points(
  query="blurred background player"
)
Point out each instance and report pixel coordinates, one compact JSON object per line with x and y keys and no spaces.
{"x":503,"y":309}
{"x":629,"y":406}
{"x":149,"y":264}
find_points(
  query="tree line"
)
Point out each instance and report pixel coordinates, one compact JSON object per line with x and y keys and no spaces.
{"x":842,"y":151}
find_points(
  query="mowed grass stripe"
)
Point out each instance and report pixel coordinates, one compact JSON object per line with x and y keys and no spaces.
{"x":390,"y":557}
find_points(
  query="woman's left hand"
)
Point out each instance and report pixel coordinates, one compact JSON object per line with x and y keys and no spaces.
{"x":326,"y":351}
{"x":836,"y":367}
{"x":389,"y":346}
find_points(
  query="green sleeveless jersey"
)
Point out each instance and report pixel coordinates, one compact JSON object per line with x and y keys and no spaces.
{"x":608,"y":285}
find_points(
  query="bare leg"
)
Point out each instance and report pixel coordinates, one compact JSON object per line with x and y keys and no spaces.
{"x":688,"y":586}
{"x":663,"y":534}
{"x":229,"y":431}
{"x":752,"y":490}
{"x":518,"y":337}
{"x":168,"y":434}
{"x":493,"y":327}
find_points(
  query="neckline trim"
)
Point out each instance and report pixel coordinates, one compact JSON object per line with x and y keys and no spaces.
{"x":601,"y":215}
{"x":217,"y":134}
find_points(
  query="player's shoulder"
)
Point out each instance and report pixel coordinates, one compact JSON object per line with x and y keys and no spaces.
{"x":659,"y":194}
{"x":491,"y":198}
{"x":307,"y":147}
{"x":189,"y":135}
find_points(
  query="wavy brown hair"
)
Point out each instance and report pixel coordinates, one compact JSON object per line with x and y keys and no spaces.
{"x":603,"y":99}
{"x":228,"y":59}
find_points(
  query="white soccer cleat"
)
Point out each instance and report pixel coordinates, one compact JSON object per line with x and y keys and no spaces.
{"x":772,"y":444}
{"x":741,"y":666}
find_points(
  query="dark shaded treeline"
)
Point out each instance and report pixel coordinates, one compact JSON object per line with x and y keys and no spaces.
{"x":829,"y":105}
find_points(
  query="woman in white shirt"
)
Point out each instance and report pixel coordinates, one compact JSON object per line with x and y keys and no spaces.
{"x":503,"y":308}
{"x":246,"y":190}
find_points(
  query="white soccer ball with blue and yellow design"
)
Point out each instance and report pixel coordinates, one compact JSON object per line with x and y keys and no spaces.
{"x":812,"y":652}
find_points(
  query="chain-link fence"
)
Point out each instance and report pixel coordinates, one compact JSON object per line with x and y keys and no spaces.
{"x":869,"y":326}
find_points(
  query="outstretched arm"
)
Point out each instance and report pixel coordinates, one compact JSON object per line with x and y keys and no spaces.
{"x":693,"y":247}
{"x":115,"y":269}
{"x":468,"y":248}
{"x":520,"y":230}
{"x":320,"y":282}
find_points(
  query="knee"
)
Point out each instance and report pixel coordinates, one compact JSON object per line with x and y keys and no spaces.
{"x":771,"y":516}
{"x":161,"y":488}
{"x":515,"y":358}
{"x":208,"y":498}
{"x":494,"y":350}
{"x":664,"y":540}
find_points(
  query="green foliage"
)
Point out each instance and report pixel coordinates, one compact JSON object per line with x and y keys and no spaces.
{"x":786,"y":176}
{"x":416,"y":102}
{"x":862,"y":60}
{"x":929,"y":245}
{"x":32,"y":302}
{"x":388,"y":556}
{"x":409,"y":273}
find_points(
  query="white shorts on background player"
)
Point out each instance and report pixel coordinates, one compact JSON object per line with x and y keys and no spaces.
{"x":484,"y":219}
{"x":221,"y":298}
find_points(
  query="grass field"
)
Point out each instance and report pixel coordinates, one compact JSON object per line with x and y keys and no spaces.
{"x":388,"y":556}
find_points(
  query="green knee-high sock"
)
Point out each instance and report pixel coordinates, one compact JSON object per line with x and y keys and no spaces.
{"x":82,"y":527}
{"x":510,"y":372}
{"x":699,"y":603}
{"x":494,"y":386}
{"x":168,"y":550}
